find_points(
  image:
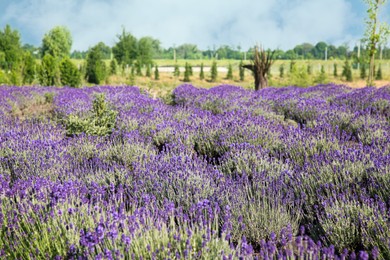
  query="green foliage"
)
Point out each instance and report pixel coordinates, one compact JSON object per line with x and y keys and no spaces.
{"x":96,"y":68}
{"x":145,"y":51}
{"x":10,"y":48}
{"x":363,"y":70}
{"x":230,"y":72}
{"x":214,"y":72}
{"x":29,"y":68}
{"x":309,"y":69}
{"x":57,"y":42}
{"x":281,"y":71}
{"x":49,"y":74}
{"x":156,"y":73}
{"x":138,"y":68}
{"x":101,"y":121}
{"x":176,"y":71}
{"x":335,"y":73}
{"x":378,"y":75}
{"x":321,"y":78}
{"x":70,"y":75}
{"x":299,"y":77}
{"x":125,"y":50}
{"x":201,"y":73}
{"x":148,"y":72}
{"x":242,"y":71}
{"x":347,"y":71}
{"x":187,"y":73}
{"x":113,"y":67}
{"x":293,"y":65}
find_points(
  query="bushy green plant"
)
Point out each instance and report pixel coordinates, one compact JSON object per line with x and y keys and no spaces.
{"x":230,"y":72}
{"x":214,"y":72}
{"x":101,"y":121}
{"x":156,"y":73}
{"x":347,"y":71}
{"x":176,"y":71}
{"x":113,"y":67}
{"x":242,"y":71}
{"x":70,"y":75}
{"x":201,"y":74}
{"x":187,"y":73}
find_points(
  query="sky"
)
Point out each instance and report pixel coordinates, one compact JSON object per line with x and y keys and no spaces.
{"x":207,"y":23}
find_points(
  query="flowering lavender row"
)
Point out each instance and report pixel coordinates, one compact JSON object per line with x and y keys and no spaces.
{"x":223,"y":173}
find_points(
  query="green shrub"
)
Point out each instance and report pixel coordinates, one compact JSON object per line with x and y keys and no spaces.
{"x":70,"y":75}
{"x":100,"y":122}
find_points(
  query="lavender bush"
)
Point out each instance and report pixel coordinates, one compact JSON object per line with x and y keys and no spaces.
{"x":225,"y":173}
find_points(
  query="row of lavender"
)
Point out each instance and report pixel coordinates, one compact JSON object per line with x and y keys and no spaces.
{"x":223,"y":172}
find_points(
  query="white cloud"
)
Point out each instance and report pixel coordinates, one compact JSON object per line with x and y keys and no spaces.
{"x":274,"y":23}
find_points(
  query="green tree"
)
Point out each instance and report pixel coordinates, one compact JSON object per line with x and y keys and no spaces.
{"x":187,"y":73}
{"x":281,"y":71}
{"x":378,"y":75}
{"x":201,"y":73}
{"x":95,"y":68}
{"x":138,"y":68}
{"x":321,"y":78}
{"x":49,"y":74}
{"x":214,"y":72}
{"x":145,"y":51}
{"x":230,"y":72}
{"x":156,"y":73}
{"x":57,"y":42}
{"x":376,"y":33}
{"x":176,"y":71}
{"x":347,"y":71}
{"x":309,"y":69}
{"x":125,"y":50}
{"x":10,"y":48}
{"x":335,"y":73}
{"x":29,"y":68}
{"x":242,"y":71}
{"x":105,"y":50}
{"x":148,"y":72}
{"x":70,"y":75}
{"x":113,"y":67}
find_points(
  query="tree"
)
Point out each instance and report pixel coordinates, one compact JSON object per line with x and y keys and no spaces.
{"x":201,"y":74}
{"x":49,"y":74}
{"x":214,"y":72}
{"x":347,"y":71}
{"x":176,"y":71}
{"x":10,"y":48}
{"x":376,"y":33}
{"x":148,"y":73}
{"x":145,"y":51}
{"x":96,"y":68}
{"x":378,"y":75}
{"x":29,"y":68}
{"x":230,"y":72}
{"x":113,"y":67}
{"x":242,"y":71}
{"x":281,"y":71}
{"x":70,"y":75}
{"x":187,"y":73}
{"x":335,"y":73}
{"x":105,"y":50}
{"x":261,"y":65}
{"x":57,"y":42}
{"x":156,"y":73}
{"x":125,"y":50}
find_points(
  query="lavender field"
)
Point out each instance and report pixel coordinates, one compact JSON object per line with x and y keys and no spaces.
{"x":224,"y":173}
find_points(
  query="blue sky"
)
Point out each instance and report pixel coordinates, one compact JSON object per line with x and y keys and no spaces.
{"x":207,"y":23}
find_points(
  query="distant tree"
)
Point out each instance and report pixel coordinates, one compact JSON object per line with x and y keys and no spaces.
{"x":281,"y":71}
{"x":29,"y":68}
{"x":335,"y":73}
{"x":347,"y":71}
{"x":57,"y":42}
{"x":95,"y":68}
{"x":214,"y":71}
{"x":105,"y":50}
{"x":138,"y":68}
{"x":188,"y":51}
{"x":156,"y":73}
{"x":201,"y":74}
{"x":230,"y":72}
{"x":242,"y":71}
{"x":261,"y":66}
{"x":113,"y":67}
{"x":363,"y":73}
{"x":49,"y":74}
{"x":148,"y":72}
{"x":187,"y":73}
{"x":319,"y":50}
{"x":375,"y":34}
{"x":176,"y":71}
{"x":145,"y":51}
{"x":379,"y":73}
{"x":70,"y":75}
{"x":10,"y":48}
{"x":125,"y":50}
